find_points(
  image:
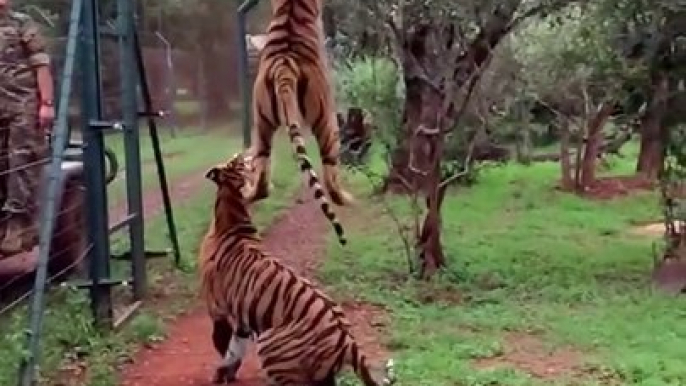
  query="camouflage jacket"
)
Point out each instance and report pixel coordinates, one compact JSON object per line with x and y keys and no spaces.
{"x":22,"y":48}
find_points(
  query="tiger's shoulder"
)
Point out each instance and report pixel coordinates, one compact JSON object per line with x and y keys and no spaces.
{"x":208,"y":244}
{"x":213,"y":241}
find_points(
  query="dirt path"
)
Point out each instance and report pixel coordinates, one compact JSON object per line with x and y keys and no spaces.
{"x":187,"y":357}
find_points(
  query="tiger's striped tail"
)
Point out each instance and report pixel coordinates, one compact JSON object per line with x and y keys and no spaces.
{"x":358,"y":361}
{"x":285,"y":82}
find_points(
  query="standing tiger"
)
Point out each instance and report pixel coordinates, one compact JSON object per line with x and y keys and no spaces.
{"x":292,"y":89}
{"x":303,"y":337}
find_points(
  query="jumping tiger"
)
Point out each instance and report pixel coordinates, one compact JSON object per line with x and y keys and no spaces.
{"x":292,"y":89}
{"x":303,"y":337}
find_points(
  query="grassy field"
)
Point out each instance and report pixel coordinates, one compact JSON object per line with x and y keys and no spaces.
{"x":70,"y":344}
{"x":542,"y":288}
{"x":181,"y":156}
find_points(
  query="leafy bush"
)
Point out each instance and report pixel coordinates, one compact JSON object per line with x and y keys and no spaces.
{"x":372,"y":84}
{"x":677,"y":146}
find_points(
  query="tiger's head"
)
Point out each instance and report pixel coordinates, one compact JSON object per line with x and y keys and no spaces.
{"x":232,"y":177}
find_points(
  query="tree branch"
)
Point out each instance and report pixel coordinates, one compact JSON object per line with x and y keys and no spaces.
{"x":410,"y":64}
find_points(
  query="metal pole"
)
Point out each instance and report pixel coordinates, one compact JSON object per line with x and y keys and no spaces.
{"x":170,"y":81}
{"x":96,"y":192}
{"x":29,"y":365}
{"x":157,"y":150}
{"x":202,"y":91}
{"x":243,"y":69}
{"x":129,"y":102}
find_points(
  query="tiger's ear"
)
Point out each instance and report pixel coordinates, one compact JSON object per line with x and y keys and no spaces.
{"x":213,"y":174}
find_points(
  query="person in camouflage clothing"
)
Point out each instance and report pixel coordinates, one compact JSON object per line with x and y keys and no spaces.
{"x":26,"y":112}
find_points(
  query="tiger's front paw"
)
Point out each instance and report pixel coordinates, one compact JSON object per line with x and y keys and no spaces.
{"x":261,"y":192}
{"x":225,"y":374}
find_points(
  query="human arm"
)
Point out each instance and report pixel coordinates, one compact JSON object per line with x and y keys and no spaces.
{"x":34,"y":42}
{"x":45,"y":85}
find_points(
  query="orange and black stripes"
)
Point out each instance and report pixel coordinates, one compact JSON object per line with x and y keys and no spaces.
{"x":303,"y":336}
{"x":292,"y":90}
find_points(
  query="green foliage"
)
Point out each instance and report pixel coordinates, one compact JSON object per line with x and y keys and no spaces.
{"x":571,"y":52}
{"x":651,"y":34}
{"x":147,"y":328}
{"x":565,"y":273}
{"x":677,"y":143}
{"x":371,"y":83}
{"x":74,"y":333}
{"x":675,"y":171}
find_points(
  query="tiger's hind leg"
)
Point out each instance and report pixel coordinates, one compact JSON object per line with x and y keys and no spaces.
{"x":264,"y":128}
{"x":330,"y":380}
{"x":232,"y":347}
{"x":326,"y":131}
{"x":281,"y":353}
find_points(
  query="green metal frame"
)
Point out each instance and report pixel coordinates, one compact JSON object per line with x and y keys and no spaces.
{"x":85,"y":34}
{"x":243,"y":70}
{"x":27,"y":368}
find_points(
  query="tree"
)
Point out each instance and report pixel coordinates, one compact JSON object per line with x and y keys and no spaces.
{"x":212,"y":23}
{"x":441,"y":49}
{"x":208,"y":21}
{"x":652,"y":33}
{"x":571,"y":67}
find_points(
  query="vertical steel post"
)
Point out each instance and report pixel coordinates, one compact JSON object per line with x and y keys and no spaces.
{"x":29,"y":364}
{"x":202,"y":92}
{"x":129,"y":102}
{"x":170,"y":81}
{"x":244,"y":70}
{"x":157,"y":149}
{"x":96,"y":192}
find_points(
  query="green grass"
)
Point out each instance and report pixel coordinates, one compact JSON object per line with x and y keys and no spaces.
{"x":188,"y":107}
{"x":68,"y":334}
{"x":522,"y":259}
{"x":624,"y":165}
{"x":181,"y":156}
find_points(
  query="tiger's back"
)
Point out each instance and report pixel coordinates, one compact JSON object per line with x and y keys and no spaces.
{"x":292,"y":297}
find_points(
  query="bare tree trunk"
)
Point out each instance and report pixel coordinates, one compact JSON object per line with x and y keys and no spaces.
{"x":418,"y":48}
{"x":650,"y":157}
{"x":427,"y":116}
{"x":593,"y":141}
{"x":650,"y":154}
{"x":431,"y":257}
{"x":577,"y":162}
{"x":567,"y":183}
{"x":401,"y":178}
{"x":431,"y":254}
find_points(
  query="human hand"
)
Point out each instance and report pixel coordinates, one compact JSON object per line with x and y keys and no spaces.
{"x":46,"y":117}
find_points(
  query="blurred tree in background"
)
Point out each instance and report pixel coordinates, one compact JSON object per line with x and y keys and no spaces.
{"x":204,"y":30}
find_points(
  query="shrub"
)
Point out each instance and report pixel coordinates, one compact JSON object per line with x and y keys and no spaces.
{"x":372,"y":84}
